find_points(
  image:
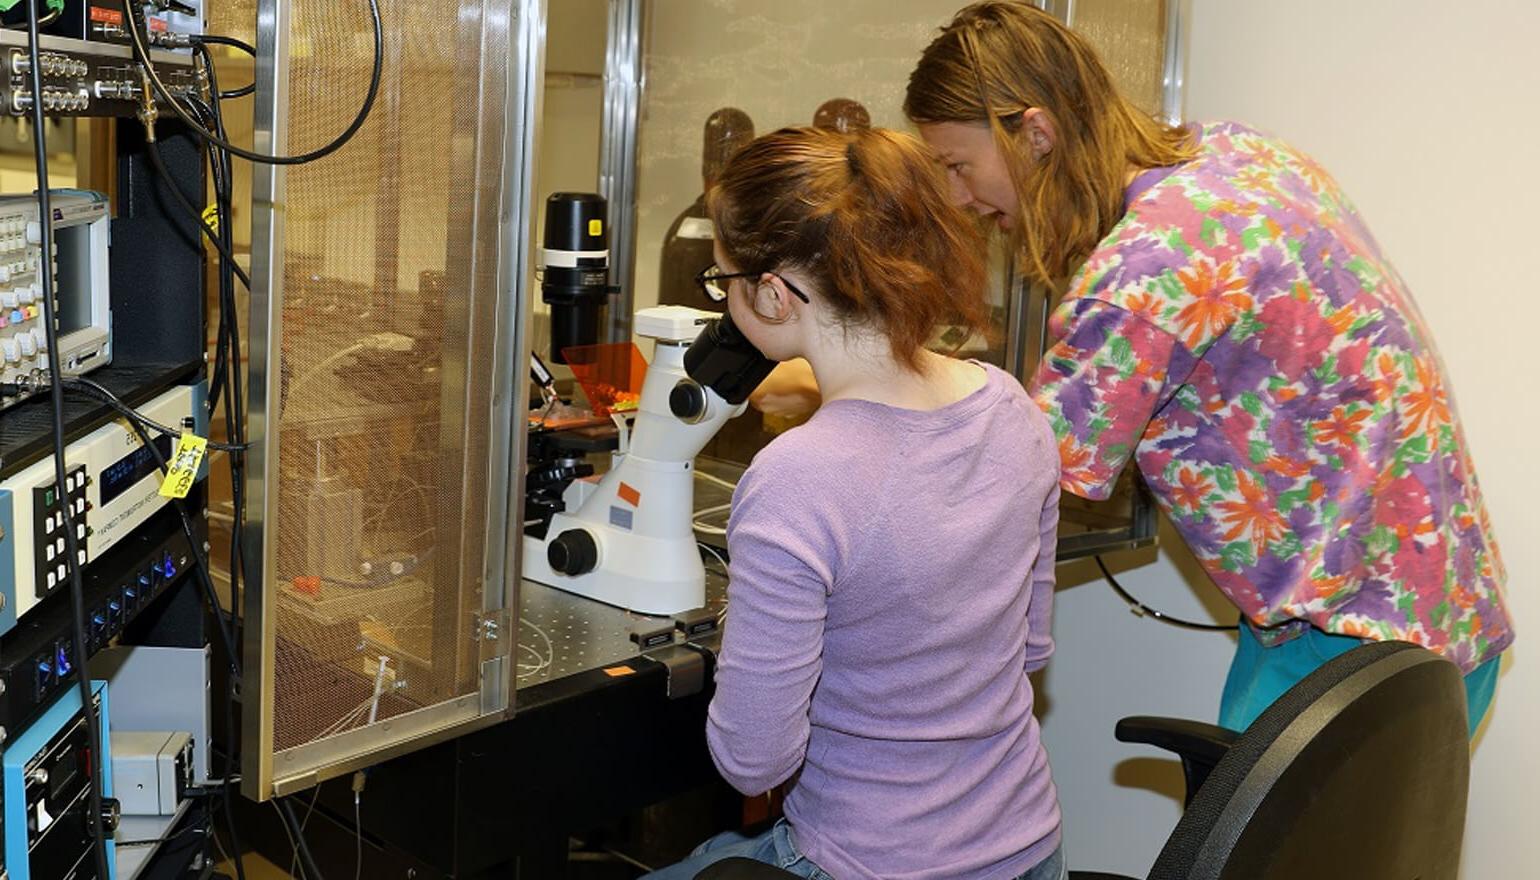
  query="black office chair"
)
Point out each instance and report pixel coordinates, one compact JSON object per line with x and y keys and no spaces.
{"x":1359,"y":772}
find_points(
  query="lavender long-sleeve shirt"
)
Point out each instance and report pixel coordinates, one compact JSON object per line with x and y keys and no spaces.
{"x":892,"y":586}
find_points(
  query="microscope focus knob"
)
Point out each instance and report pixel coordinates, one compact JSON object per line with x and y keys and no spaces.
{"x":573,"y":553}
{"x":687,"y":401}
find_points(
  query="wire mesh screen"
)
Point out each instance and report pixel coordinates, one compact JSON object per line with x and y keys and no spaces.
{"x":383,"y":412}
{"x":234,"y":18}
{"x":1131,"y":37}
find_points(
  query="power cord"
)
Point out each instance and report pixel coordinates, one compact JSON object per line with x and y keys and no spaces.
{"x":226,"y":385}
{"x":201,"y":42}
{"x":227,"y":639}
{"x":229,"y":370}
{"x":1142,"y":610}
{"x":213,"y":40}
{"x":195,"y":545}
{"x":159,"y":164}
{"x":103,"y":394}
{"x":359,"y":778}
{"x":294,"y":869}
{"x":72,"y":560}
{"x":220,"y":170}
{"x":228,"y":350}
{"x":292,"y":824}
{"x":133,"y":14}
{"x":228,"y":339}
{"x":227,"y":380}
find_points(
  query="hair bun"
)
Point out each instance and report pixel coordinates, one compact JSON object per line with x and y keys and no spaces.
{"x":867,"y":218}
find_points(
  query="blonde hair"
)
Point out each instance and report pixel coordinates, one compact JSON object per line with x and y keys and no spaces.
{"x":865,"y":214}
{"x":998,"y":59}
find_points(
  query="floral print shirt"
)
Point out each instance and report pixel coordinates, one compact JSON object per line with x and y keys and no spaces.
{"x":1241,"y":337}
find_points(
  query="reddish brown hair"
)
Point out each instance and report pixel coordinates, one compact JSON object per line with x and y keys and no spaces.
{"x":866,"y":215}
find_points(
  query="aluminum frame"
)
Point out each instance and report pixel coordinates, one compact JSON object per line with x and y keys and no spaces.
{"x":1173,"y":91}
{"x":268,"y":196}
{"x":1063,"y":10}
{"x":624,"y":85}
{"x":526,"y":89}
{"x":266,"y":774}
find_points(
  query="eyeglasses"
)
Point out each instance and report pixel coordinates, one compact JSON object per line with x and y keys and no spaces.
{"x":713,"y":282}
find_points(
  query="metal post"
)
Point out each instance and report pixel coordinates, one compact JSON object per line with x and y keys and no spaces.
{"x":1171,"y":83}
{"x":623,"y":88}
{"x":525,"y":84}
{"x":266,"y":322}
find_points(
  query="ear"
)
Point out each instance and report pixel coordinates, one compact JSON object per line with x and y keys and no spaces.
{"x":1038,"y":130}
{"x":774,"y":301}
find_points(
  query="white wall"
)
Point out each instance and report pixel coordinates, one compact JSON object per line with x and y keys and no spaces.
{"x":1121,"y":801}
{"x":1426,"y":112}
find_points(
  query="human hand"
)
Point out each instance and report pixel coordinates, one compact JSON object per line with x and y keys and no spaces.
{"x":790,"y":391}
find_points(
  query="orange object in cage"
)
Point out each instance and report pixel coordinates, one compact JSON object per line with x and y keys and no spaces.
{"x":610,"y":374}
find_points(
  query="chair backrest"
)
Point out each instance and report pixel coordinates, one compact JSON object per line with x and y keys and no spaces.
{"x":1359,"y":771}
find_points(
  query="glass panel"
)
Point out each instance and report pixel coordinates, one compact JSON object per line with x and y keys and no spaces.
{"x":571,"y":115}
{"x":382,"y":499}
{"x":1130,"y":35}
{"x":718,"y":73}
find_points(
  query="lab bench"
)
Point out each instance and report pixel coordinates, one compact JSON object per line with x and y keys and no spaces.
{"x":601,"y":730}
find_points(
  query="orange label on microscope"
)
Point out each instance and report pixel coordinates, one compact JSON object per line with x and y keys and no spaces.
{"x":629,"y":495}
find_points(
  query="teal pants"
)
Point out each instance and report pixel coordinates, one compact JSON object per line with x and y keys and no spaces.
{"x":1261,"y":675}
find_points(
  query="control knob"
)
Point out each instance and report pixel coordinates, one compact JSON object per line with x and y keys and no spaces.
{"x":687,"y":401}
{"x":573,"y":553}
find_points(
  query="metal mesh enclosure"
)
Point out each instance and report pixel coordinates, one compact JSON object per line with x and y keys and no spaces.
{"x":383,"y":413}
{"x":1131,"y":37}
{"x":234,"y":18}
{"x":718,"y":73}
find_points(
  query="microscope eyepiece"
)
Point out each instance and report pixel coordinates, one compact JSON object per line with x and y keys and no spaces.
{"x":724,"y":360}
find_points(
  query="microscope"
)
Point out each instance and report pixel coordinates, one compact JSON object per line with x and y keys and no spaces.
{"x":627,"y":539}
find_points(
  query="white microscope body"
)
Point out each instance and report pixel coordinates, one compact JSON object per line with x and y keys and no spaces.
{"x":629,"y":540}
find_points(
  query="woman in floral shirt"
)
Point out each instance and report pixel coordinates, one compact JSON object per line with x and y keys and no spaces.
{"x":1232,"y":327}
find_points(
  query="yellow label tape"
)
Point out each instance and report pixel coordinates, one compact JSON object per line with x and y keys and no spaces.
{"x":184,"y":464}
{"x":211,"y":217}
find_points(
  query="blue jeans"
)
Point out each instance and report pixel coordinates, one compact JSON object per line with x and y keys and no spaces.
{"x":1259,"y":675}
{"x":776,"y":847}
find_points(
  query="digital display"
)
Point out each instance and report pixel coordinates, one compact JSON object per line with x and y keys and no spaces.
{"x":121,"y":475}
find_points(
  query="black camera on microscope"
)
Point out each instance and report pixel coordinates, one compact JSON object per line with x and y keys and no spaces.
{"x":576,"y":280}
